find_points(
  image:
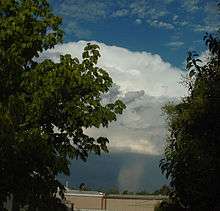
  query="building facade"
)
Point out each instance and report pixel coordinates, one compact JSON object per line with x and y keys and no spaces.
{"x":93,"y":201}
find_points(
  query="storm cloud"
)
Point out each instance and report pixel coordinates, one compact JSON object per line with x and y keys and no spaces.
{"x":145,"y":83}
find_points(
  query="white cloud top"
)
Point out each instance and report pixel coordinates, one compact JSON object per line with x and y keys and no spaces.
{"x":131,"y":70}
{"x":145,"y":83}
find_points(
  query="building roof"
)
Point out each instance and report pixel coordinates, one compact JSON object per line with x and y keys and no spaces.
{"x":71,"y":192}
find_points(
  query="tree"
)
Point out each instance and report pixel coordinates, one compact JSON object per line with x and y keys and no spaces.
{"x":83,"y":187}
{"x":113,"y":190}
{"x":45,"y":107}
{"x":164,"y":190}
{"x":192,"y":153}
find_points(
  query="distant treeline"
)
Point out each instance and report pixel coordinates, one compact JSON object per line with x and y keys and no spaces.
{"x":164,"y":190}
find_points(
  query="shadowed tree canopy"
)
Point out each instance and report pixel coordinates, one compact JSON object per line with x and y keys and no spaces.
{"x":192,"y":153}
{"x":45,"y":107}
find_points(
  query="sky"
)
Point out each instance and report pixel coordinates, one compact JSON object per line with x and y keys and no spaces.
{"x":143,"y":46}
{"x":169,"y":28}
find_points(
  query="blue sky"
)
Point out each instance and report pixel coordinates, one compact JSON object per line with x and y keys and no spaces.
{"x":169,"y":28}
{"x":143,"y":46}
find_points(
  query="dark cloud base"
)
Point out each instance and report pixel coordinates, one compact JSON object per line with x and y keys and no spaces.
{"x":126,"y":171}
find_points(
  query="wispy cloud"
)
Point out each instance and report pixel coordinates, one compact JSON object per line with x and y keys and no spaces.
{"x":175,"y":44}
{"x":191,"y":5}
{"x":138,"y":21}
{"x":212,"y":19}
{"x":205,"y":28}
{"x":83,"y":10}
{"x":175,"y":17}
{"x":160,"y":24}
{"x":75,"y":29}
{"x":139,"y":8}
{"x":168,"y":1}
{"x":159,"y":13}
{"x":145,"y":9}
{"x":120,"y":13}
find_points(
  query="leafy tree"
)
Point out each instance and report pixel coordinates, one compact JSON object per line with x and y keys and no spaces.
{"x":83,"y":187}
{"x":168,"y":205}
{"x":113,"y":190}
{"x":125,"y":192}
{"x":192,"y":154}
{"x":164,"y":190}
{"x":143,"y":192}
{"x":45,"y":107}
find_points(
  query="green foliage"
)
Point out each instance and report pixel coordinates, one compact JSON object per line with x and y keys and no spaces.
{"x":164,"y":190}
{"x":192,"y":153}
{"x":45,"y":107}
{"x":125,"y":192}
{"x":143,"y":192}
{"x":168,"y":205}
{"x":113,"y":190}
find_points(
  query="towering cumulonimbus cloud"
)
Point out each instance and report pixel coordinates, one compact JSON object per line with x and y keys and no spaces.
{"x":144,"y":82}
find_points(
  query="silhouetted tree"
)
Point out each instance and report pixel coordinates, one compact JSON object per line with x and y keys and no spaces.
{"x":45,"y":107}
{"x":192,"y":153}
